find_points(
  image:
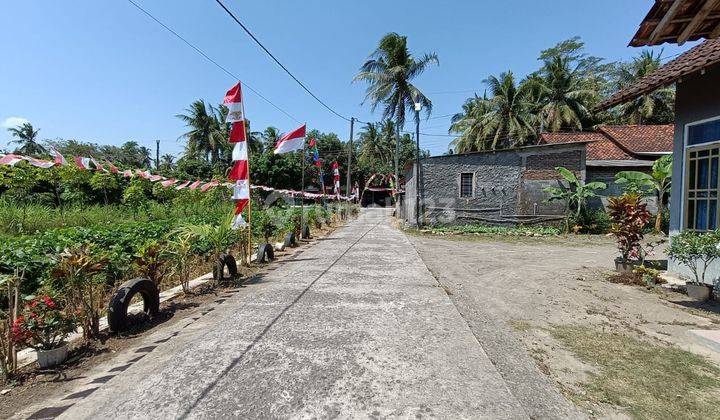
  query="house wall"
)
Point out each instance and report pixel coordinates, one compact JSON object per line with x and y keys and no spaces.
{"x":697,"y":98}
{"x":507,"y":186}
{"x":607,"y":174}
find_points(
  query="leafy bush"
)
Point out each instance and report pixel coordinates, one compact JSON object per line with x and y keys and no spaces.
{"x":499,"y":230}
{"x":629,"y":217}
{"x":696,"y":251}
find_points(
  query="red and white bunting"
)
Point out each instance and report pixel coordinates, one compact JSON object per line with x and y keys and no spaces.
{"x":59,"y":158}
{"x":292,"y":141}
{"x":45,"y":164}
{"x":183,"y":185}
{"x":127,"y":173}
{"x":113,"y":168}
{"x":169,"y":183}
{"x":195,"y":185}
{"x":10,"y":159}
{"x":82,"y":162}
{"x":209,"y":185}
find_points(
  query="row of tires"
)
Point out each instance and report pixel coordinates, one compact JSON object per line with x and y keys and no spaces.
{"x":225,"y":270}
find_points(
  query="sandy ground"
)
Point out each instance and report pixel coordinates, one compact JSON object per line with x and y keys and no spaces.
{"x":510,"y":292}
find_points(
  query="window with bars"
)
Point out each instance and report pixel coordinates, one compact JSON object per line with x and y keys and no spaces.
{"x":701,"y":192}
{"x":466,"y":185}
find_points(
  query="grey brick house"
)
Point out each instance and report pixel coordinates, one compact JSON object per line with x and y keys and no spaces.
{"x":496,"y":187}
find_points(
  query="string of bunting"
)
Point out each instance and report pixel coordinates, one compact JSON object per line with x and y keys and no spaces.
{"x":90,"y":164}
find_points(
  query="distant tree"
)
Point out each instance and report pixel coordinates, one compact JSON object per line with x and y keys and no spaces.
{"x":26,"y":136}
{"x":167,"y":161}
{"x":656,"y":107}
{"x":208,"y":131}
{"x":389,"y":73}
{"x":508,"y":121}
{"x":469,"y":124}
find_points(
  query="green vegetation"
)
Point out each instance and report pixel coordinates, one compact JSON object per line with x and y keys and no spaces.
{"x":658,"y":183}
{"x":695,"y":250}
{"x":650,"y":381}
{"x":559,"y":96}
{"x":574,"y":196}
{"x":497,"y":230}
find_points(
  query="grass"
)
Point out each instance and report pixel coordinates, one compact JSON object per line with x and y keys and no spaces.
{"x":497,"y":230}
{"x":649,"y":381}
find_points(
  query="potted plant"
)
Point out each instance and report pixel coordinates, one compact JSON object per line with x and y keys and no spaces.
{"x":629,"y":217}
{"x":696,"y":251}
{"x":44,"y":327}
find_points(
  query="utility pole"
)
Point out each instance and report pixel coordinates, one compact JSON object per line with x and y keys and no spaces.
{"x":350,"y":150}
{"x":157,"y":155}
{"x":418,"y":107}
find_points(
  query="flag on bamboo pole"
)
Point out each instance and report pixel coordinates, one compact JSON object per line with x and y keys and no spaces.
{"x":292,"y":141}
{"x":233,"y":101}
{"x":336,"y":177}
{"x":318,"y":163}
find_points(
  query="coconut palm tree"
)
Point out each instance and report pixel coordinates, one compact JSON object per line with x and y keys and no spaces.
{"x":469,"y":125}
{"x":270,"y":137}
{"x":26,"y":136}
{"x":508,"y":121}
{"x":389,"y":72}
{"x":208,"y":131}
{"x":377,"y":143}
{"x":167,"y":161}
{"x":563,"y":94}
{"x":652,"y":108}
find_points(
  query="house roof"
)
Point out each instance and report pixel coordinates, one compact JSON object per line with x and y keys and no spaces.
{"x":679,"y":21}
{"x":619,"y":142}
{"x":691,"y":61}
{"x":642,"y":138}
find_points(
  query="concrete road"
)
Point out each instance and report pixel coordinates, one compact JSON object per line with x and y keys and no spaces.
{"x":356,"y":326}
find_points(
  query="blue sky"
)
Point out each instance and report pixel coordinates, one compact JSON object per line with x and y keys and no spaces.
{"x":101,"y":71}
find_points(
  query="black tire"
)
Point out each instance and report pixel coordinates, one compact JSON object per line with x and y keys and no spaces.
{"x":265,"y":253}
{"x":117,"y":309}
{"x":225,"y":261}
{"x":290,"y":240}
{"x":306,"y":232}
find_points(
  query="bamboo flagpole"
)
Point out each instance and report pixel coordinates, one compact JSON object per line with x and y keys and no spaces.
{"x":249,"y":206}
{"x":302,"y":193}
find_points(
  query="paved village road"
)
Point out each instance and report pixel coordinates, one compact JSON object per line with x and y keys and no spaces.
{"x":355,"y":326}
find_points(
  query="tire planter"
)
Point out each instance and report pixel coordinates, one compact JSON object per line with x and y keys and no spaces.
{"x":699,"y":292}
{"x":290,"y":240}
{"x":306,"y":232}
{"x":226,"y":261}
{"x":117,"y":309}
{"x":265,"y":253}
{"x":51,"y":358}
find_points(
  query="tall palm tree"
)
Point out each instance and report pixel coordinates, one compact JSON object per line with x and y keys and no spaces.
{"x":389,"y":72}
{"x":26,"y":136}
{"x":563,"y":94}
{"x":270,"y":137}
{"x":469,"y":125}
{"x":208,"y":131}
{"x":654,"y":107}
{"x":145,"y":156}
{"x":508,"y":121}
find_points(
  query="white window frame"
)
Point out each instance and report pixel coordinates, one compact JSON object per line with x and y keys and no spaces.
{"x":685,"y":177}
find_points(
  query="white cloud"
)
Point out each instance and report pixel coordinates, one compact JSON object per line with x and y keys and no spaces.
{"x":12,"y":122}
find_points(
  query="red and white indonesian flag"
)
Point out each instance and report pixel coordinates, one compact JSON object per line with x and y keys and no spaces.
{"x":233,"y":101}
{"x":336,"y":177}
{"x":292,"y":141}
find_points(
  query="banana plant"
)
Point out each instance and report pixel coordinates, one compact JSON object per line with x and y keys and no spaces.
{"x":658,"y":182}
{"x":575,"y":195}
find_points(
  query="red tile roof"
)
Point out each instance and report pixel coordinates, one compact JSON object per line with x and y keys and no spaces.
{"x":691,"y":61}
{"x":642,"y":138}
{"x":619,"y":142}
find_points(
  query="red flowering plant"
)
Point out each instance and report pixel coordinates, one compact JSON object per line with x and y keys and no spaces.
{"x":43,"y":325}
{"x":629,"y":217}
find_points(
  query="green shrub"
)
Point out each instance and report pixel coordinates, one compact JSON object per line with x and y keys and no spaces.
{"x":696,"y":251}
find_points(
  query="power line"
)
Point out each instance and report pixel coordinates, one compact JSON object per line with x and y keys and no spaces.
{"x":257,"y":41}
{"x":199,"y":51}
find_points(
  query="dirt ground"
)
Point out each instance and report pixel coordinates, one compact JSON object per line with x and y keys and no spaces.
{"x":515,"y":293}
